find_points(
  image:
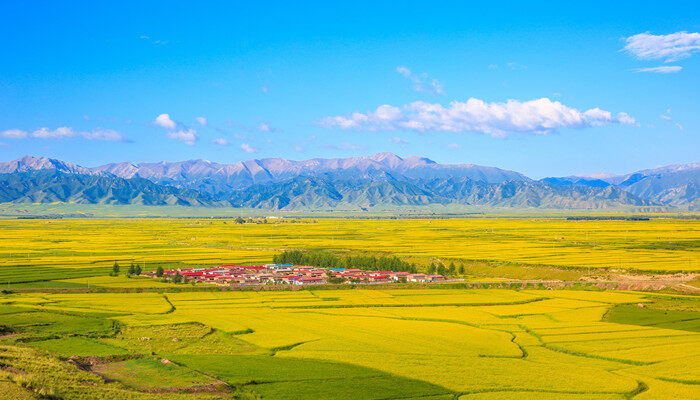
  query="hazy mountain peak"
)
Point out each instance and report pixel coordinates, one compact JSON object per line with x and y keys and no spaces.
{"x":386,"y":156}
{"x":31,"y":163}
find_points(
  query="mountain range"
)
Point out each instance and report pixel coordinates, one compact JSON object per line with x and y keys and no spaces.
{"x":342,"y":183}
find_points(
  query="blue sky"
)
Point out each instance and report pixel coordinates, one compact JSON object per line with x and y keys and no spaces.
{"x":86,"y":81}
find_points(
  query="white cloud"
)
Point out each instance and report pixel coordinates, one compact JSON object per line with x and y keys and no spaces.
{"x":13,"y":134}
{"x":188,"y":136}
{"x":248,"y":148}
{"x":265,"y":127}
{"x":163,"y":120}
{"x":398,"y":140}
{"x":221,"y":142}
{"x":514,"y":66}
{"x":58,"y":133}
{"x":454,"y":146}
{"x":178,"y":131}
{"x":103,"y":134}
{"x":670,"y":69}
{"x":202,"y":121}
{"x":667,"y":117}
{"x":154,"y":41}
{"x":540,"y":116}
{"x":66,"y":132}
{"x":422,"y":82}
{"x":670,"y":48}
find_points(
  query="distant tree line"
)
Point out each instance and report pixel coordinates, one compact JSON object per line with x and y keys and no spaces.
{"x":607,"y":218}
{"x":327,"y":259}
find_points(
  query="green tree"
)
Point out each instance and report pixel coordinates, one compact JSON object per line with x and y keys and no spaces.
{"x":137,"y":270}
{"x":132,"y":269}
{"x":461,"y":269}
{"x":336,"y":279}
{"x":177,"y":278}
{"x":159,"y":271}
{"x":431,"y":269}
{"x":240,"y":220}
{"x":452,"y":268}
{"x":115,"y":268}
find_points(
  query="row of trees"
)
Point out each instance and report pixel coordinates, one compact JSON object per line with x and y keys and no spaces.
{"x":441,"y":269}
{"x":330,"y":260}
{"x":134,"y":269}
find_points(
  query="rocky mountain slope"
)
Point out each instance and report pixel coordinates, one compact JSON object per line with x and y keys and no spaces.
{"x":51,"y":185}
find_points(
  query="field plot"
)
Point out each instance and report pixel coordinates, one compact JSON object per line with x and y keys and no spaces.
{"x":357,"y":344}
{"x":32,"y":250}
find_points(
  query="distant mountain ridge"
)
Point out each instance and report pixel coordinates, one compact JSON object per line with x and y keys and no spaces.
{"x":675,"y":185}
{"x":351,"y":183}
{"x":216,"y":178}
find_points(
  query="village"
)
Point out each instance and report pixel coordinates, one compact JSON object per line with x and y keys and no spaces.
{"x":272,"y":274}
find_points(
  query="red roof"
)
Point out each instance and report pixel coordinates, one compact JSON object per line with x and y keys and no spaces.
{"x":240,"y":266}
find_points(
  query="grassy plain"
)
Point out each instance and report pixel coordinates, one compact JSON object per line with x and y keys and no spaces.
{"x":33,"y":250}
{"x":358,"y":344}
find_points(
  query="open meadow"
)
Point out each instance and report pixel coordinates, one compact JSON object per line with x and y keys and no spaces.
{"x":353,"y":344}
{"x":58,"y":249}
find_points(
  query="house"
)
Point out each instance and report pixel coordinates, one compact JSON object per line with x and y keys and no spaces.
{"x":416,"y":277}
{"x":398,"y":275}
{"x":378,"y":278}
{"x":434,"y":278}
{"x":309,"y":280}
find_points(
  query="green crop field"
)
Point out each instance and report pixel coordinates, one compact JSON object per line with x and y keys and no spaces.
{"x":354,"y":344}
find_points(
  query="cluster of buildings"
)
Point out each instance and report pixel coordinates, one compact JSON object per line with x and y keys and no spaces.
{"x":229,"y":274}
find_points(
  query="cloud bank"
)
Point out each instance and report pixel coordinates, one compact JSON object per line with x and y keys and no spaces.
{"x":540,"y":116}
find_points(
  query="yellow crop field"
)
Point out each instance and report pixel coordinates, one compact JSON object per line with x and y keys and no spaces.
{"x":63,"y":249}
{"x":476,"y":344}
